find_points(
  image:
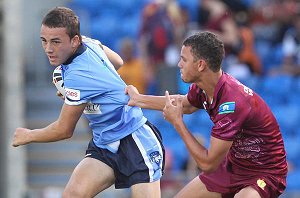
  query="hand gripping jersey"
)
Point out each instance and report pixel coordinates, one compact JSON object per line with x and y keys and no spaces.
{"x":89,"y":77}
{"x":241,"y":116}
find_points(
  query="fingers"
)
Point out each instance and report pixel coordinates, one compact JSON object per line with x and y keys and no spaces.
{"x":130,"y":90}
{"x":15,"y":144}
{"x":60,"y":95}
{"x":173,"y":100}
{"x":168,"y":99}
{"x":178,"y":101}
{"x":15,"y":139}
{"x":167,"y":94}
{"x":20,"y":137}
{"x":126,"y":90}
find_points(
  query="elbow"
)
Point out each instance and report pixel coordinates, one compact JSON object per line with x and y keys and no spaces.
{"x":118,"y":63}
{"x":66,"y":135}
{"x":208,"y":167}
{"x":188,"y":110}
{"x":63,"y":130}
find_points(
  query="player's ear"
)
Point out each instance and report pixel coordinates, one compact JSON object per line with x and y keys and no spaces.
{"x":201,"y":65}
{"x":75,"y":41}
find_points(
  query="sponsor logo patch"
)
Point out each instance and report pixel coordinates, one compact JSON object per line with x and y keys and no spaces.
{"x":227,"y":107}
{"x":72,"y":94}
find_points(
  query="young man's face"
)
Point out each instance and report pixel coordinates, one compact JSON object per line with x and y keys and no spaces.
{"x":188,"y":66}
{"x":57,"y":44}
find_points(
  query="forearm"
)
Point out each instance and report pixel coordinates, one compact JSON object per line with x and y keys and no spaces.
{"x":150,"y":102}
{"x":51,"y":133}
{"x":157,"y":102}
{"x":196,"y":150}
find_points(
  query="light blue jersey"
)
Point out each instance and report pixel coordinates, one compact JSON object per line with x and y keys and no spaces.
{"x":90,"y":78}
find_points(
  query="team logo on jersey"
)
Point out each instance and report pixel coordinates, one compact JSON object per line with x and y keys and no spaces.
{"x":72,"y":94}
{"x":261,"y":183}
{"x":155,"y":157}
{"x":227,"y":107}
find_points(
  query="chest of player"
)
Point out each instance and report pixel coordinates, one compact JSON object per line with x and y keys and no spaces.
{"x":208,"y":105}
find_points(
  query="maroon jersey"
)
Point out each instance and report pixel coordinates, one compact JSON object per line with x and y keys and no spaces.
{"x":241,"y":116}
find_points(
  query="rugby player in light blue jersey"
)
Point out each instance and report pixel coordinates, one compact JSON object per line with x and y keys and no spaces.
{"x":126,"y":150}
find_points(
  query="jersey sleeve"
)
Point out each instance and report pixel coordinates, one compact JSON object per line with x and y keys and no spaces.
{"x":81,"y":87}
{"x":94,"y":41}
{"x":232,"y":113}
{"x":194,"y":96}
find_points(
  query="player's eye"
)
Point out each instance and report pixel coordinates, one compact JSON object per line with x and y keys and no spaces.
{"x":55,"y":42}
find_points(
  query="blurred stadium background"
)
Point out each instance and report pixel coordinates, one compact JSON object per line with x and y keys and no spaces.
{"x":28,"y":96}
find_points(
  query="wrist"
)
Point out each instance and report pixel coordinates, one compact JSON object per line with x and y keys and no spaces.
{"x":138,"y":100}
{"x":178,"y":123}
{"x":30,"y":136}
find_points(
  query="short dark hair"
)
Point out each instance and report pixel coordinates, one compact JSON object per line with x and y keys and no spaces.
{"x":62,"y":17}
{"x":205,"y":45}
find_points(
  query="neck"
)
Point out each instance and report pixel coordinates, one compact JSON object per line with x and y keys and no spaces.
{"x":209,"y":82}
{"x":77,"y":51}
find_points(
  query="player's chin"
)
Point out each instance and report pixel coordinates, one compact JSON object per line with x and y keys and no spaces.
{"x":187,"y":80}
{"x":54,"y":63}
{"x":184,"y":79}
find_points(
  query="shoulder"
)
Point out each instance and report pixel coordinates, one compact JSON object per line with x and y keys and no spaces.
{"x":234,"y":91}
{"x":77,"y":72}
{"x":195,"y":96}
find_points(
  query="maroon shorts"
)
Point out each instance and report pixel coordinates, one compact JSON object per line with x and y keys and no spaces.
{"x":228,"y":184}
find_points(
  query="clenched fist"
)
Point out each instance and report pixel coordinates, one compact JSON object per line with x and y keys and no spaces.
{"x":132,"y":93}
{"x":173,"y":109}
{"x":21,"y":137}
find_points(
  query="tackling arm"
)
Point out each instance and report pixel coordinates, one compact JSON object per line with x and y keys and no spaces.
{"x":155,"y":102}
{"x":61,"y":129}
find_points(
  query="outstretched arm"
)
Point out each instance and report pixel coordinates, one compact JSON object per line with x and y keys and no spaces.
{"x":155,"y":102}
{"x":207,"y":160}
{"x":61,"y":129}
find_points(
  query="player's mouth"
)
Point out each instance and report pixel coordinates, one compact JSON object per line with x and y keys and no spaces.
{"x":51,"y":58}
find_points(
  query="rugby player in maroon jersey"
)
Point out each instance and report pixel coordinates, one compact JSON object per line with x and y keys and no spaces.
{"x":246,"y":157}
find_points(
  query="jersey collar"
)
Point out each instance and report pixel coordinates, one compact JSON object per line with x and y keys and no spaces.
{"x":217,"y":88}
{"x":78,"y":52}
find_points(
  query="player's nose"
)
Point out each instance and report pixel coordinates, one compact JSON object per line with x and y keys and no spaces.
{"x":48,"y":48}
